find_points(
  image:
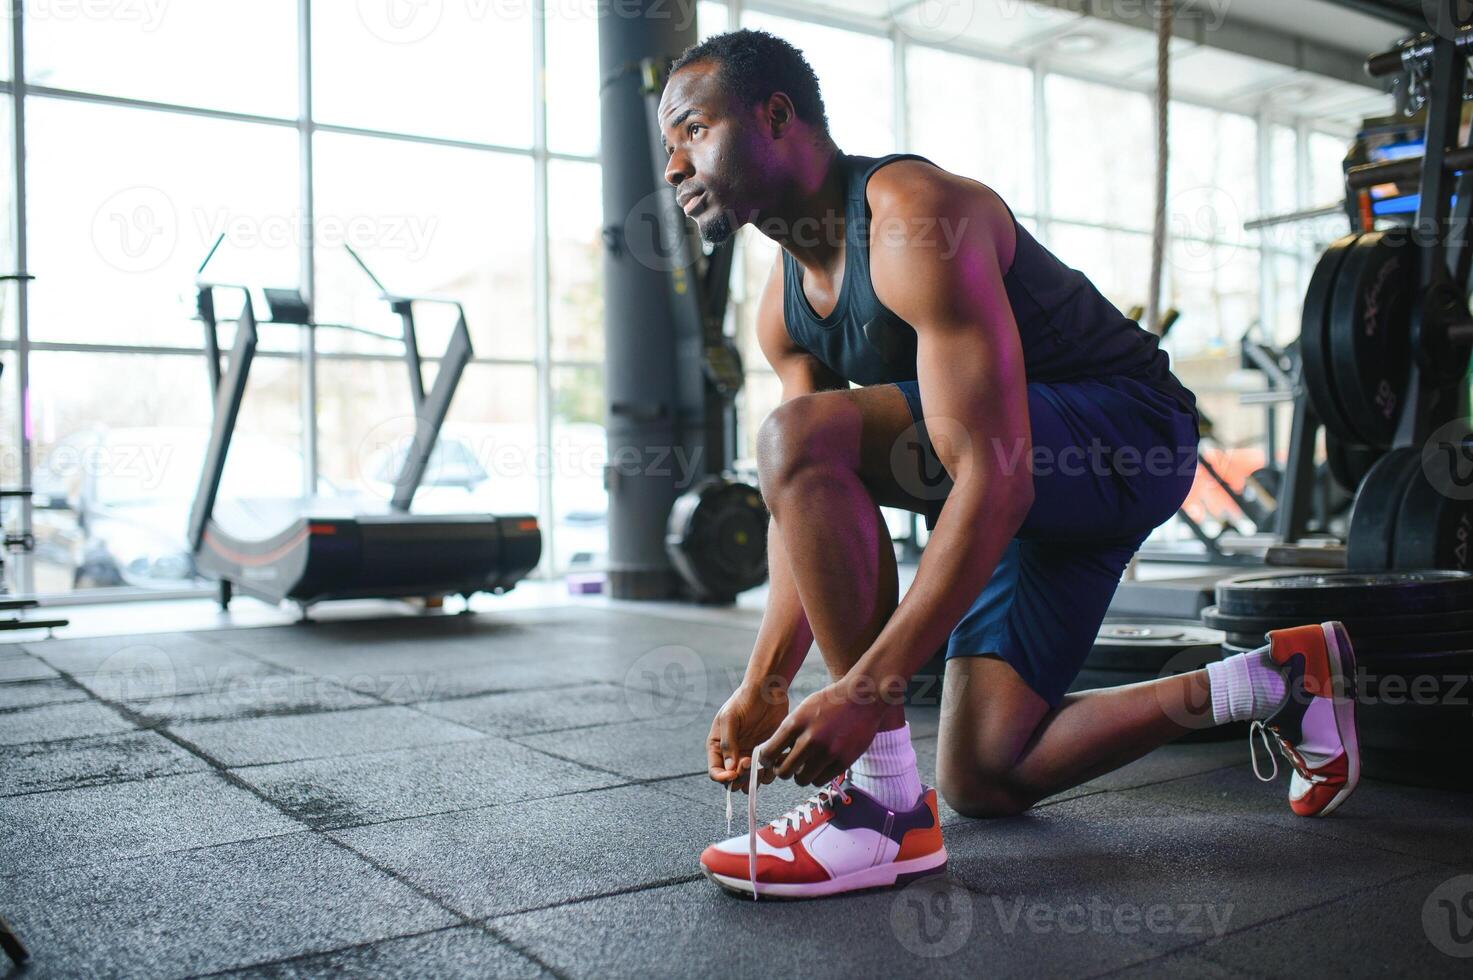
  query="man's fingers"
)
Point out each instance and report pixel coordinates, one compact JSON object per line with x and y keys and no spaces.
{"x":795,"y":760}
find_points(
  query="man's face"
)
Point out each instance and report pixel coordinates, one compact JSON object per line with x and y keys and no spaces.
{"x":714,"y":161}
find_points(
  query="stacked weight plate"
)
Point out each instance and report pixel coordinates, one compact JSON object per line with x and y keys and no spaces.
{"x":1131,"y":651}
{"x":1413,"y":639}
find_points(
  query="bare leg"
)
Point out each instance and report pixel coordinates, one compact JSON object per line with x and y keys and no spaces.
{"x":838,"y":549}
{"x":1002,"y":750}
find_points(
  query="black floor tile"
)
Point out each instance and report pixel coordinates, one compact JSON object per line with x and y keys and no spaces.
{"x":74,"y":719}
{"x":122,"y":820}
{"x":447,"y":954}
{"x":381,"y":786}
{"x":325,"y":734}
{"x":524,"y":855}
{"x":39,"y":766}
{"x":211,"y":909}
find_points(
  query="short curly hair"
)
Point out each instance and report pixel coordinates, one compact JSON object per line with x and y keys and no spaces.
{"x":751,"y":65}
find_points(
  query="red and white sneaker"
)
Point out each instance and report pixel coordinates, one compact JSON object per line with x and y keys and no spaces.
{"x":841,"y":839}
{"x":1315,"y":727}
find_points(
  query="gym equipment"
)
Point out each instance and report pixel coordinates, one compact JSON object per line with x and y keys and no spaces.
{"x":1153,"y":646}
{"x":1402,"y":520}
{"x":24,"y":542}
{"x":1373,"y":517}
{"x":716,"y":531}
{"x":10,"y":942}
{"x":311,"y":550}
{"x":718,"y":538}
{"x":1348,"y":463}
{"x":1137,"y":651}
{"x":1313,"y":598}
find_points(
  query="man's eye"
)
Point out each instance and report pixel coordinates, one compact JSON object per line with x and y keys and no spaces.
{"x":690,"y":130}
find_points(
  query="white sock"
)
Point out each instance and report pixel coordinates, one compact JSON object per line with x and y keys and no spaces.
{"x":1245,"y":687}
{"x":887,"y":770}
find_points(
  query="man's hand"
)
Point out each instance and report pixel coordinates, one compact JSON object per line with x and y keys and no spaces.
{"x":749,"y":717}
{"x":827,"y":732}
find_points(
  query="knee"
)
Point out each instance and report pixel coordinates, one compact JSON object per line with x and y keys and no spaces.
{"x":804,"y":435}
{"x":983,"y":795}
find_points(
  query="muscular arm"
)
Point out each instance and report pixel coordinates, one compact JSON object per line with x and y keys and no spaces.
{"x":945,"y":279}
{"x":784,"y":638}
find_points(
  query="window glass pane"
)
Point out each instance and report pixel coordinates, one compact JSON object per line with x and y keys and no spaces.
{"x":494,"y":415}
{"x":364,"y":422}
{"x":1213,"y":174}
{"x":224,"y":54}
{"x":974,"y":118}
{"x":755,"y":256}
{"x":114,"y":249}
{"x":572,"y":78}
{"x":759,"y":396}
{"x":854,"y":78}
{"x":575,"y":266}
{"x":458,"y":229}
{"x":1101,"y":165}
{"x":460,"y":70}
{"x":5,"y":41}
{"x":579,"y":450}
{"x":1117,"y":262}
{"x":9,"y":292}
{"x":119,"y":445}
{"x":1326,"y":168}
{"x":710,"y":19}
{"x":1216,"y":289}
{"x":1283,"y":169}
{"x":1288,"y":295}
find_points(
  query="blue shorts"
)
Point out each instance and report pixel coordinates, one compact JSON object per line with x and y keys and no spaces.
{"x":1113,"y":458}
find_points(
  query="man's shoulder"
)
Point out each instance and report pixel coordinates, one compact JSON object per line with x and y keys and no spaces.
{"x":918,"y":190}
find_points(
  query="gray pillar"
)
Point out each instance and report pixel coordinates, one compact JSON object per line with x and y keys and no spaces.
{"x":640,"y":379}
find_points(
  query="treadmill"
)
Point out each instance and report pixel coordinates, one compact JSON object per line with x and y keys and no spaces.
{"x":310,"y":550}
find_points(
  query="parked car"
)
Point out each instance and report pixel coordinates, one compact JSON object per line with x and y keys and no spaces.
{"x":115,"y":503}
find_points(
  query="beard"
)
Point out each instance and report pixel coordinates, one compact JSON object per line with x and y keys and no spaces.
{"x":717,"y":230}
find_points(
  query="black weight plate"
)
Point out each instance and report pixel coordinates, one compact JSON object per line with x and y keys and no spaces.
{"x":1397,"y":624}
{"x":1370,"y":335}
{"x":1434,"y":525}
{"x":1313,"y":338}
{"x":1418,"y":767}
{"x":1373,"y":515}
{"x":1152,"y":646}
{"x":1244,"y":641}
{"x":1312,"y":597}
{"x":1348,"y":462}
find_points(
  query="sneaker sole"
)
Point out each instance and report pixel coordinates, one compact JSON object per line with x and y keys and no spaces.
{"x":891,"y":875}
{"x":1342,"y":659}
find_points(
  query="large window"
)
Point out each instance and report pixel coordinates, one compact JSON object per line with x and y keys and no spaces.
{"x":239,"y":55}
{"x":418,"y":145}
{"x":456,"y":70}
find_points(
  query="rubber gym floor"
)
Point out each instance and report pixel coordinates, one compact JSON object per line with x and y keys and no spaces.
{"x":522,"y":793}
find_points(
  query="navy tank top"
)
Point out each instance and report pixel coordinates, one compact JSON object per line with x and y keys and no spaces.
{"x":1069,"y":330}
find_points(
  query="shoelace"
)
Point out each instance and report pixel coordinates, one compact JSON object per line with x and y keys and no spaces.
{"x":1263,"y":731}
{"x":794,"y":818}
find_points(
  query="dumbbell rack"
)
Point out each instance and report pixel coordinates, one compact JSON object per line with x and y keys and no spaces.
{"x":1387,"y":332}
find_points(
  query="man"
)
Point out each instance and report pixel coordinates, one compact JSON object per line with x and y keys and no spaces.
{"x":1064,"y":439}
